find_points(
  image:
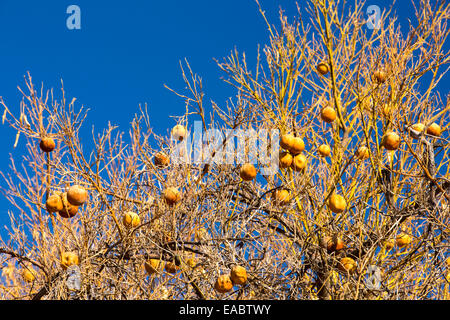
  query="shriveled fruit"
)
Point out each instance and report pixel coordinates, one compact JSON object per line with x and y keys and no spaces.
{"x":281,"y":197}
{"x":287,"y":141}
{"x":238,"y":275}
{"x":300,"y":162}
{"x":295,"y":145}
{"x":248,"y":172}
{"x":362,"y":153}
{"x":68,"y":210}
{"x":337,"y":244}
{"x":332,"y":244}
{"x":391,"y":141}
{"x":285,"y":159}
{"x":323,"y":68}
{"x":171,"y":267}
{"x":380,"y":76}
{"x":54,"y":203}
{"x":172,"y":195}
{"x":328,"y":114}
{"x":29,"y":274}
{"x":324,"y":150}
{"x":223,"y":284}
{"x":131,"y":219}
{"x":403,"y":240}
{"x":161,"y":159}
{"x":298,"y":145}
{"x":69,"y":259}
{"x":179,"y":132}
{"x":434,"y":129}
{"x":337,"y":203}
{"x":47,"y":144}
{"x":153,"y":266}
{"x":77,"y":195}
{"x":347,"y":264}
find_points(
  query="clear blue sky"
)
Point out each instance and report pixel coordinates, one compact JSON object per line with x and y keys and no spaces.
{"x":125,"y":52}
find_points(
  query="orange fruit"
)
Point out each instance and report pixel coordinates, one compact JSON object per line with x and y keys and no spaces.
{"x":332,"y":244}
{"x":323,"y":68}
{"x":76,"y":195}
{"x":419,"y":127}
{"x":300,"y":162}
{"x":391,"y":141}
{"x":68,"y":210}
{"x":285,"y":159}
{"x":171,"y":267}
{"x":172,"y":195}
{"x":287,"y":141}
{"x":179,"y":132}
{"x":293,"y":144}
{"x":47,"y":144}
{"x":362,"y":153}
{"x":69,"y":259}
{"x":297,"y":146}
{"x":347,"y":264}
{"x":248,"y":172}
{"x":403,"y":240}
{"x":337,"y":203}
{"x":223,"y":284}
{"x":434,"y":129}
{"x":161,"y":159}
{"x":338,"y":244}
{"x":324,"y":150}
{"x":380,"y":76}
{"x":131,"y":219}
{"x":328,"y":114}
{"x":238,"y":275}
{"x":54,"y":203}
{"x":281,"y":197}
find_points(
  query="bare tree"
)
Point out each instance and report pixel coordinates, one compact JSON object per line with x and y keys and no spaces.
{"x":357,"y":210}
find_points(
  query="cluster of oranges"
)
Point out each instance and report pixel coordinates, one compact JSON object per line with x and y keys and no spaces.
{"x":153,"y":266}
{"x":292,"y":155}
{"x":65,"y":203}
{"x":224,"y":283}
